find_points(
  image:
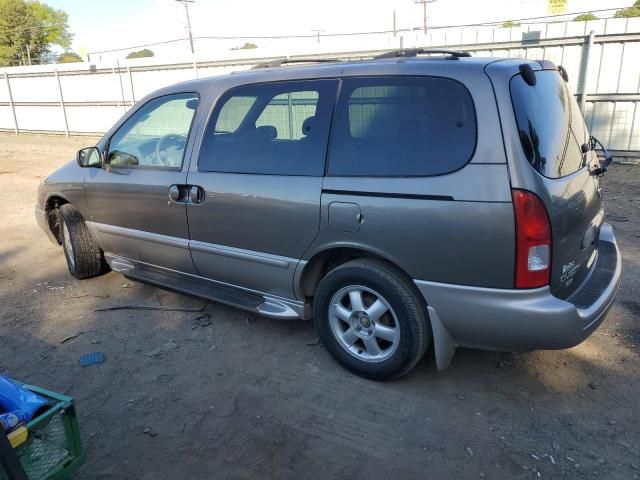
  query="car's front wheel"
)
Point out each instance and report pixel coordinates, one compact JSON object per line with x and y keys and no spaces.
{"x":371,"y":319}
{"x":84,"y":256}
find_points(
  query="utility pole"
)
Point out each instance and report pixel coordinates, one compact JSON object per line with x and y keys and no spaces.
{"x":318,"y":32}
{"x":395,"y":29}
{"x":186,"y":9}
{"x":424,"y":12}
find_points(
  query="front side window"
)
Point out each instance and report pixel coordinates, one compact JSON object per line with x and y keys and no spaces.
{"x":550,"y":125}
{"x":155,"y":135}
{"x":402,"y":126}
{"x":272,"y":128}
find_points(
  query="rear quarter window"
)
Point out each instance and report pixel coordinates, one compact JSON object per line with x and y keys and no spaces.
{"x":550,"y":125}
{"x":402,"y":126}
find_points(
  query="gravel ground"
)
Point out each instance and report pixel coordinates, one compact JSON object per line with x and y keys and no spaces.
{"x":248,"y":397}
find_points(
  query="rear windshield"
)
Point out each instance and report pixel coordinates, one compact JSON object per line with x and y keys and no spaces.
{"x":550,"y":125}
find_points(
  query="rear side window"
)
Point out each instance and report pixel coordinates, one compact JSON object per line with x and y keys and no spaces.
{"x":550,"y":125}
{"x":402,"y":126}
{"x":272,"y":128}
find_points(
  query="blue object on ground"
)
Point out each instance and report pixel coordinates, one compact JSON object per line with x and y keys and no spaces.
{"x":14,"y":397}
{"x":11,"y":420}
{"x":91,"y":358}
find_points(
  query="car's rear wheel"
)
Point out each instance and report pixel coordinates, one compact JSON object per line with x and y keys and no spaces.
{"x":84,"y":257}
{"x":371,"y":319}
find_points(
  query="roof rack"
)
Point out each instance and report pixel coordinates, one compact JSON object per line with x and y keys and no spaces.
{"x":414,"y":52}
{"x":283,"y":61}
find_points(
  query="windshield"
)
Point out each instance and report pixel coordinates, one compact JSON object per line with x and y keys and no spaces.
{"x":550,"y":125}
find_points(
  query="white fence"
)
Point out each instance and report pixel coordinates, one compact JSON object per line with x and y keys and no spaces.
{"x":86,"y":98}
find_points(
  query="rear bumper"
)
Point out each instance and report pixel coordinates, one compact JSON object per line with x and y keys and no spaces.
{"x":43,"y":223}
{"x":524,"y":320}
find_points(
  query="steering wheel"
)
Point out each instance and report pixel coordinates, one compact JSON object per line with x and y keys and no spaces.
{"x":160,"y":144}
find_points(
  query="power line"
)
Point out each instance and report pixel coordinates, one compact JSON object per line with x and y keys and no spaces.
{"x":350,"y":34}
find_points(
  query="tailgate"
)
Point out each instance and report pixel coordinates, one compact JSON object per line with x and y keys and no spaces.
{"x":546,"y":136}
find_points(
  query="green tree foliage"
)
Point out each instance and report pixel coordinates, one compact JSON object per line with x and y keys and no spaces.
{"x":69,"y":57}
{"x":145,"y":52}
{"x":633,"y":11}
{"x":585,"y":17}
{"x":510,"y":24}
{"x":246,"y":46}
{"x":29,"y":29}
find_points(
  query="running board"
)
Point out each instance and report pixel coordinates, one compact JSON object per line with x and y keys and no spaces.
{"x":267,"y":305}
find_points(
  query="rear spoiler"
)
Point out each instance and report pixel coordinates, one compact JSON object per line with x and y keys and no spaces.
{"x":529,"y":75}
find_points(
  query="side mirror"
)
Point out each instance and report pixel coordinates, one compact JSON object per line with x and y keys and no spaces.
{"x":89,"y":157}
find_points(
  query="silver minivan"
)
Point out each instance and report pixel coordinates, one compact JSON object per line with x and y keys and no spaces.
{"x":412,"y":200}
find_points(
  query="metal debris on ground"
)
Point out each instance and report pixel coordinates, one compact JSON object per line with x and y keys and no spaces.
{"x":151,"y":307}
{"x":70,"y":337}
{"x":85,"y":295}
{"x":166,"y":348}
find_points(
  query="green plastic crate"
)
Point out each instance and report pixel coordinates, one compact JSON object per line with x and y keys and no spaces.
{"x":53,"y":450}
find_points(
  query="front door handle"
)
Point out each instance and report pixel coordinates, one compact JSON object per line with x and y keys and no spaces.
{"x":174,"y":193}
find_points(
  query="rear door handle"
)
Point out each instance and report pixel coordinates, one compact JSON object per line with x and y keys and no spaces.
{"x":192,"y":194}
{"x":196,"y":194}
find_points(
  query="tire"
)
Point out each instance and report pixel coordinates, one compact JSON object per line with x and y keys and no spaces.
{"x":84,"y":257}
{"x":401,"y":332}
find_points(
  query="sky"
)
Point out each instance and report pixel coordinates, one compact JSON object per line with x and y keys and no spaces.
{"x":102,"y":25}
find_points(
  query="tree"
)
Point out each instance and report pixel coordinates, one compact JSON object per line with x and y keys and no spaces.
{"x":145,"y":52}
{"x":28,"y":29}
{"x":510,"y":24}
{"x":585,"y":17}
{"x":633,"y":11}
{"x":69,"y":57}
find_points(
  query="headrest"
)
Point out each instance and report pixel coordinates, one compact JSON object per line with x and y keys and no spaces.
{"x":307,"y":125}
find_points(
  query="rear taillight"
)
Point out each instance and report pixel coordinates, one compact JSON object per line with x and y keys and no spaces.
{"x":533,"y":240}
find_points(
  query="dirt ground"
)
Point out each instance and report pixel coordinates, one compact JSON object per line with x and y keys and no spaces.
{"x":248,"y":397}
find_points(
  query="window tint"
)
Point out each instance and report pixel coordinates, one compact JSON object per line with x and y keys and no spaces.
{"x":287,"y":112}
{"x":155,"y":135}
{"x":232,"y":113}
{"x":402,"y":126}
{"x":275,"y":128}
{"x":550,"y":125}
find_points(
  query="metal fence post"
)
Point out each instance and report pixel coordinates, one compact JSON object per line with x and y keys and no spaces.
{"x":124,"y":102}
{"x":13,"y":107}
{"x":584,"y":69}
{"x":64,"y":111}
{"x":133,"y":93}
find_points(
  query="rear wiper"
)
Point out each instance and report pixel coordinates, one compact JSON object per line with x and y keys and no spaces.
{"x":593,"y":144}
